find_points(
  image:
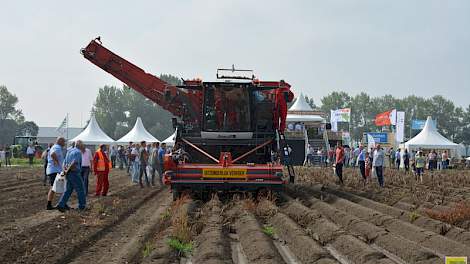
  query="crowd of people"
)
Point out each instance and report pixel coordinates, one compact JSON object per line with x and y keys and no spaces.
{"x":5,"y":156}
{"x":76,"y":163}
{"x":373,"y":161}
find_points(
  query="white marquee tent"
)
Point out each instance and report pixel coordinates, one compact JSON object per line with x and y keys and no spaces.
{"x":93,"y":135}
{"x":301,"y":111}
{"x":138,"y":134}
{"x":430,"y":138}
{"x":301,"y":105}
{"x":170,"y":141}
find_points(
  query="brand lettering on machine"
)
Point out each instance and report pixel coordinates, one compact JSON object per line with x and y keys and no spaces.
{"x":224,"y":173}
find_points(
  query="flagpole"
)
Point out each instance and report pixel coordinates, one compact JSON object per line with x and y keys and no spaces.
{"x":67,"y":126}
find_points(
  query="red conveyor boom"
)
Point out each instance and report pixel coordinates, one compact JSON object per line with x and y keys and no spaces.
{"x":147,"y":84}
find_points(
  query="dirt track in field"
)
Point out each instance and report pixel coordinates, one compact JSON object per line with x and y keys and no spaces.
{"x":313,"y":221}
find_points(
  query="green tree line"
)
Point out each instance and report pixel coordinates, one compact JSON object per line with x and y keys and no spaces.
{"x":116,"y":110}
{"x":452,"y":121}
{"x":12,"y":121}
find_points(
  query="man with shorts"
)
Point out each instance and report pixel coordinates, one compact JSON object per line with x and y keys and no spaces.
{"x":55,"y":159}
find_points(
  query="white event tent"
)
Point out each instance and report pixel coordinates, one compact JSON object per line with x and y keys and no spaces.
{"x":301,"y":111}
{"x":93,"y":135}
{"x":430,"y":138}
{"x":138,"y":134}
{"x":170,"y":141}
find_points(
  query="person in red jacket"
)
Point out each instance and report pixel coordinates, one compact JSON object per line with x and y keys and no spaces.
{"x":282,"y":97}
{"x":101,"y":166}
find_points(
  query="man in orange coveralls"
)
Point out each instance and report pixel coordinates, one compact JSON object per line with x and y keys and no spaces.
{"x":282,"y":97}
{"x":101,"y":166}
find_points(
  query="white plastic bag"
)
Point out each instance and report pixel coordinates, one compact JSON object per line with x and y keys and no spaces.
{"x":59,"y":183}
{"x":373,"y":173}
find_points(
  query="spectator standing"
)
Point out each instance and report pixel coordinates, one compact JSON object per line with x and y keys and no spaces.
{"x":413,"y":160}
{"x":406,"y":160}
{"x":310,"y":153}
{"x":420,"y":163}
{"x":432,"y":161}
{"x":339,"y":162}
{"x":347,"y":156}
{"x":388,"y":155}
{"x":2,"y":156}
{"x":129,"y":157}
{"x":55,"y":160}
{"x":143,"y":156}
{"x":368,"y":165}
{"x":101,"y":168}
{"x":357,"y":151}
{"x":161,"y":159}
{"x":320,"y":156}
{"x":398,"y":158}
{"x":154,"y":162}
{"x":113,"y":155}
{"x":445,"y":160}
{"x":87,"y":166}
{"x":122,"y":157}
{"x":44,"y":159}
{"x":438,"y":161}
{"x":323,"y":159}
{"x":30,"y":153}
{"x":73,"y":167}
{"x":135,"y":160}
{"x":361,"y":161}
{"x":378,"y":163}
{"x":7,"y":156}
{"x":331,"y":154}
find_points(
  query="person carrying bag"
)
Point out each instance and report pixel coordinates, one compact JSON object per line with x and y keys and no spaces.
{"x":59,"y":183}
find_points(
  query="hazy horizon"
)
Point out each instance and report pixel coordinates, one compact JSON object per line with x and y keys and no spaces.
{"x":399,"y":48}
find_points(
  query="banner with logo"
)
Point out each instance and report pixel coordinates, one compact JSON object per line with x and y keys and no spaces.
{"x":386,"y":118}
{"x":370,"y":142}
{"x":339,"y":115}
{"x":400,"y":128}
{"x":378,"y":137}
{"x":417,"y":124}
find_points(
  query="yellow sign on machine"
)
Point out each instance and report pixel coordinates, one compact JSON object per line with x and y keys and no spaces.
{"x":224,"y":173}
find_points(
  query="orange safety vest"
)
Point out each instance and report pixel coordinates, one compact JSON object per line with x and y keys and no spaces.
{"x":101,"y":163}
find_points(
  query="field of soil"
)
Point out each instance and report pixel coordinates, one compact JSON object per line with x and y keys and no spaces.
{"x":313,"y":221}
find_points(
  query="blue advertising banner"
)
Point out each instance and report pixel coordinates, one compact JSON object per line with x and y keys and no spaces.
{"x":417,"y":124}
{"x":379,"y":137}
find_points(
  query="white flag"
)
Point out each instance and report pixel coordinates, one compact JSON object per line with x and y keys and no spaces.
{"x":334,"y":121}
{"x":400,"y":129}
{"x":393,"y":117}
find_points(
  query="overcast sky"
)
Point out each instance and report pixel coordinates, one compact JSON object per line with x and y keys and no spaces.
{"x":398,"y":47}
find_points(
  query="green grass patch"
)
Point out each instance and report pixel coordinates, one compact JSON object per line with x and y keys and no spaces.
{"x":23,"y":162}
{"x":183,"y":249}
{"x":413,"y":216}
{"x":147,"y":250}
{"x":268,"y":230}
{"x":166,"y":214}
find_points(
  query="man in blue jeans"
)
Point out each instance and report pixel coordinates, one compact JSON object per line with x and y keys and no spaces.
{"x":72,"y":168}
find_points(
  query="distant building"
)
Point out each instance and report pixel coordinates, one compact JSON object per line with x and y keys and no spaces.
{"x":48,"y":135}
